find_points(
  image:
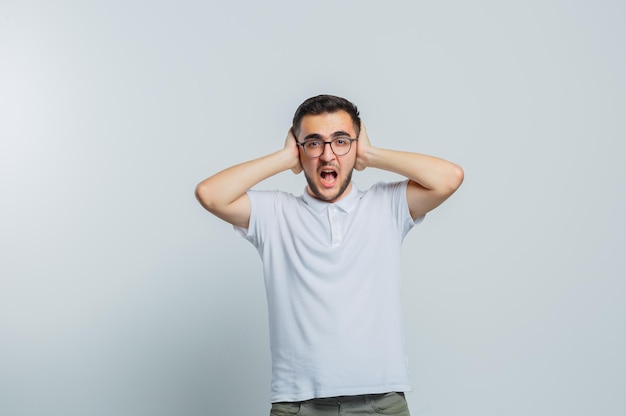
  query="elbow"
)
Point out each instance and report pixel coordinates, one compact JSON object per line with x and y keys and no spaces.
{"x":457,"y":177}
{"x":203,"y":195}
{"x":453,"y":180}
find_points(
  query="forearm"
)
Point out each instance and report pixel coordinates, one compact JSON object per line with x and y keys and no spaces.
{"x":228,"y":185}
{"x":431,"y":173}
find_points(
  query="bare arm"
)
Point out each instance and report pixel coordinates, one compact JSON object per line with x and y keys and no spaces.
{"x":224,"y":194}
{"x":432,"y":180}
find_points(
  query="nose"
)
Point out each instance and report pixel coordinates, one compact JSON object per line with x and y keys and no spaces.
{"x":328,"y":153}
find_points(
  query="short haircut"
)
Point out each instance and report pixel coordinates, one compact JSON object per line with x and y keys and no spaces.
{"x":325,"y":104}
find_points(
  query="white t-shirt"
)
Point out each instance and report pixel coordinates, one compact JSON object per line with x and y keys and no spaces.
{"x":332,"y":278}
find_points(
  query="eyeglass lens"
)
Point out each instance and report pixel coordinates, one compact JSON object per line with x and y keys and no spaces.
{"x":315,"y":148}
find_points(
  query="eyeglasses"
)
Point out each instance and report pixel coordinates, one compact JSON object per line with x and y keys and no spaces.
{"x":315,"y":148}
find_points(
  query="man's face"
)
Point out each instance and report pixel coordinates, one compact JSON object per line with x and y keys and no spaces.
{"x":329,"y":175}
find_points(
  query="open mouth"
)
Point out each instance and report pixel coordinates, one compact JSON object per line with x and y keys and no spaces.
{"x":328,"y":177}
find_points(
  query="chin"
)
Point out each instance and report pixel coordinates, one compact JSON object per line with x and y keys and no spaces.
{"x":328,"y":194}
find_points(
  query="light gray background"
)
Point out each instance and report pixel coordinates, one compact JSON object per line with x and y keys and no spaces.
{"x":120,"y":296}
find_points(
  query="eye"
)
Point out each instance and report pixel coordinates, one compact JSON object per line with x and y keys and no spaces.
{"x":313,"y":143}
{"x":341,"y":141}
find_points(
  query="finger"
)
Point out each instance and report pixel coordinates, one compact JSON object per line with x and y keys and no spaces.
{"x":290,"y":139}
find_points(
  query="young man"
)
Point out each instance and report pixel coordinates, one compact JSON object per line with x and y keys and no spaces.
{"x":331,"y":258}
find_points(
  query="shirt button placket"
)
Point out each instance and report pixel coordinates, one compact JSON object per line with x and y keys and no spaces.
{"x":334,"y":225}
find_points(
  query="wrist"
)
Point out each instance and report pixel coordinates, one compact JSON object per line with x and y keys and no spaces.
{"x":365,"y":157}
{"x":287,"y":160}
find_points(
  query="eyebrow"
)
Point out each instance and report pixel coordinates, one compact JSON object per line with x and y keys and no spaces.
{"x":313,"y":136}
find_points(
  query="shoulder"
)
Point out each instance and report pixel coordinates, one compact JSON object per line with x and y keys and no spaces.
{"x":389,"y":189}
{"x":262,"y":198}
{"x":390,"y":196}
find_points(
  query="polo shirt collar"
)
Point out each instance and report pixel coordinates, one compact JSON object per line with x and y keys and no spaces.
{"x":346,"y":203}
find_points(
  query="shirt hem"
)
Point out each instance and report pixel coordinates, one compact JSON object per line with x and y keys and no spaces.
{"x":299,"y":397}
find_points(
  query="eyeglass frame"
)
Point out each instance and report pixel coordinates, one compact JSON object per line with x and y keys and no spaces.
{"x":330,"y":143}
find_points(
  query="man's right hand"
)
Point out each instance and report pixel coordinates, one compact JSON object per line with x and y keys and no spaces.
{"x":292,"y":146}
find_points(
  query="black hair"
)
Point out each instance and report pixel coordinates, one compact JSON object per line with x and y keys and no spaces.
{"x":321,"y":104}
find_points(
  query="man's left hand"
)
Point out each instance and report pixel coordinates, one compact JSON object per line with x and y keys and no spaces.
{"x":363,"y":145}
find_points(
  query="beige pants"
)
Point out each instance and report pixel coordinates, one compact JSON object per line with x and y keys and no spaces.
{"x":368,"y":404}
